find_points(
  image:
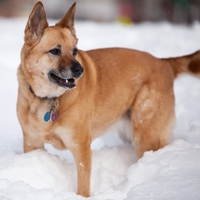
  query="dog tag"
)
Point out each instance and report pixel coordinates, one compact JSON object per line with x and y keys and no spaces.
{"x":47,"y":116}
{"x":54,"y":116}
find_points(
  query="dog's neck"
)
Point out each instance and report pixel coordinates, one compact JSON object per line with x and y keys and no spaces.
{"x":53,"y":104}
{"x":31,"y":89}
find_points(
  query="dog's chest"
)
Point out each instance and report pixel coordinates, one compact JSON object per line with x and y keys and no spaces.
{"x":38,"y":110}
{"x":48,"y":131}
{"x":36,"y":117}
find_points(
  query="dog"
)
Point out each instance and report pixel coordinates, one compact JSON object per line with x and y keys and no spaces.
{"x":68,"y":97}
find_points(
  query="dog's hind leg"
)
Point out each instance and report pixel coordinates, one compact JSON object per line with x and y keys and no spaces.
{"x":153,"y":117}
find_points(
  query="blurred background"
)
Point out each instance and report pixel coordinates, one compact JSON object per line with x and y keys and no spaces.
{"x":124,"y":11}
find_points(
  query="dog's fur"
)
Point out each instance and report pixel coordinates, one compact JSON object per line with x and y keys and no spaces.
{"x":116,"y":83}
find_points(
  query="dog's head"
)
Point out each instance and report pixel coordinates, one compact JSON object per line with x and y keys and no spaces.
{"x":48,"y":57}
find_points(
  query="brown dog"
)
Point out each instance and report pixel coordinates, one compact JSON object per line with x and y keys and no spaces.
{"x":60,"y":104}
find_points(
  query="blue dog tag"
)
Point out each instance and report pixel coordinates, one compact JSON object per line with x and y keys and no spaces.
{"x":47,"y":116}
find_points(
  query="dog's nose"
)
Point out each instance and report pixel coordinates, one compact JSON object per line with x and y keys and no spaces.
{"x":77,"y":70}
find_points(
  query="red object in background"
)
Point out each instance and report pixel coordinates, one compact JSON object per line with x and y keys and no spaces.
{"x":126,"y":9}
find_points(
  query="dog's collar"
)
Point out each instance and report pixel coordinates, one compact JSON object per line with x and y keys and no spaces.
{"x":53,"y":105}
{"x":30,"y":88}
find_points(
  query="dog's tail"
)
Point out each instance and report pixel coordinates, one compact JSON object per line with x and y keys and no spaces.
{"x":186,"y":64}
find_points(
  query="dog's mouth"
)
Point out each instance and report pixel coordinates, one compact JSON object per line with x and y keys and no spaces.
{"x":66,"y":83}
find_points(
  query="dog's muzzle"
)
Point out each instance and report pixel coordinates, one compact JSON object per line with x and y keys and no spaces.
{"x":65,"y":77}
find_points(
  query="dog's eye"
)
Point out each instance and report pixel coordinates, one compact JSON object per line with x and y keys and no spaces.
{"x":75,"y":51}
{"x":55,"y":52}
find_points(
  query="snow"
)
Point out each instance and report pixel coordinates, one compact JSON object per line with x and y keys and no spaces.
{"x":169,"y":173}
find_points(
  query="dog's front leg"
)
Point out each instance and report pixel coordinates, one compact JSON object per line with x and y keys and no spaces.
{"x":82,"y":154}
{"x":32,"y":142}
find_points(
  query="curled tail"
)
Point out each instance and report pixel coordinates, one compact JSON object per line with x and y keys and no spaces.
{"x":186,"y":64}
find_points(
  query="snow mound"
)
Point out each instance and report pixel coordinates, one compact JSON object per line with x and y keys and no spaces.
{"x":38,"y":169}
{"x":170,"y":173}
{"x":164,"y":174}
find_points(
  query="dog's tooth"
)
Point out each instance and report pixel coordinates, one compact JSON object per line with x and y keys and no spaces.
{"x":66,"y":81}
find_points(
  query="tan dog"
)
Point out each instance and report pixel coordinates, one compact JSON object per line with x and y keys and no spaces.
{"x":60,"y":104}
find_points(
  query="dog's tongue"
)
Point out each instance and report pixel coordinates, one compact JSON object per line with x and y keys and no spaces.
{"x":61,"y":81}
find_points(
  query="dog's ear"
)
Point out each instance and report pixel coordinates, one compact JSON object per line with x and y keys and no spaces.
{"x":68,"y":20}
{"x":36,"y":24}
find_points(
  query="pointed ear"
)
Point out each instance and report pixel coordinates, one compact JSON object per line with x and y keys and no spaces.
{"x":36,"y":24}
{"x":68,"y":20}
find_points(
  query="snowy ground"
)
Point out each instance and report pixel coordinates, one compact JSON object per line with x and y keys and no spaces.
{"x":170,"y":173}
